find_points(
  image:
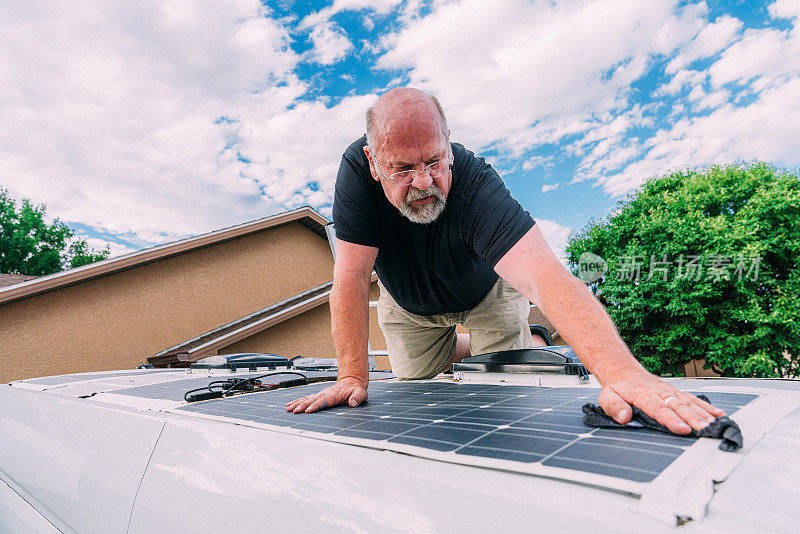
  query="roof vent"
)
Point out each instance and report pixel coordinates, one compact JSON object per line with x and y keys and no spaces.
{"x":555,"y":360}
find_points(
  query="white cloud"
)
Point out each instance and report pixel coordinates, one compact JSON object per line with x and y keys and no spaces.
{"x":322,"y":16}
{"x":289,"y":148}
{"x":514,"y":74}
{"x":114,"y":248}
{"x":549,"y":187}
{"x":765,"y":54}
{"x":766,"y":63}
{"x":109,"y":114}
{"x":679,"y":80}
{"x":712,"y":100}
{"x":787,"y":9}
{"x":536,"y":161}
{"x":164,"y":120}
{"x":764,"y":130}
{"x":610,"y":145}
{"x":711,"y":39}
{"x":696,"y":93}
{"x":330,"y":43}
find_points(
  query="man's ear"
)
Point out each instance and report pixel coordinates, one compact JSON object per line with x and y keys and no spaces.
{"x":371,"y":164}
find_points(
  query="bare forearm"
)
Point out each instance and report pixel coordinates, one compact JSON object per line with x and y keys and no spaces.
{"x":350,"y":325}
{"x":585,"y":326}
{"x":350,"y":330}
{"x":532,"y":268}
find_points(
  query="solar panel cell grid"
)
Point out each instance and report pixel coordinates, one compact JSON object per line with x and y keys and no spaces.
{"x":519,"y":423}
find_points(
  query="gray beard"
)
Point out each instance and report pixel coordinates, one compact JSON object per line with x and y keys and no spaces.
{"x":427,"y":213}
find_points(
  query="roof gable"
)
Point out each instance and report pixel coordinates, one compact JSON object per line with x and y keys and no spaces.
{"x":306,"y":216}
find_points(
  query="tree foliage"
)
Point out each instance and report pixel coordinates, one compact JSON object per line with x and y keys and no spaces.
{"x":739,"y":307}
{"x":29,"y":245}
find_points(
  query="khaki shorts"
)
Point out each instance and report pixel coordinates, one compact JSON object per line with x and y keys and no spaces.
{"x":420,"y":346}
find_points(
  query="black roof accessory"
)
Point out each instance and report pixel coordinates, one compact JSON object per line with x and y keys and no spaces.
{"x":231,"y":386}
{"x":250,"y":360}
{"x":559,"y":359}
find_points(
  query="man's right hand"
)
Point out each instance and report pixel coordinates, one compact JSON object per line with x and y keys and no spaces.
{"x":348,"y":390}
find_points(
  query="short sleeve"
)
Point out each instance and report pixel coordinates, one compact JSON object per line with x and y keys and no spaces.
{"x":355,"y":213}
{"x":492,"y":220}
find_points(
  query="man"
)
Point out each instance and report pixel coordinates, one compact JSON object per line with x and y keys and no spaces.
{"x":447,"y":241}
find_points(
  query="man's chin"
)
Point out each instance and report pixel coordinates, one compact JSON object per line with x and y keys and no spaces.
{"x":424,"y":214}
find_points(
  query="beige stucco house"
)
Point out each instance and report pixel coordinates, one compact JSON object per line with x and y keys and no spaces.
{"x":263,"y":284}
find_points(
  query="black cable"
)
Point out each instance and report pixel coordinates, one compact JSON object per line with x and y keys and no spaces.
{"x":235,"y":385}
{"x":230,"y":385}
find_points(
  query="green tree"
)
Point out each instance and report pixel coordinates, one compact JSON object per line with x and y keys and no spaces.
{"x":28,"y":245}
{"x":717,"y":253}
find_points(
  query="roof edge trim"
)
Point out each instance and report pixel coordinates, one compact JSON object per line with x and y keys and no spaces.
{"x":99,"y":269}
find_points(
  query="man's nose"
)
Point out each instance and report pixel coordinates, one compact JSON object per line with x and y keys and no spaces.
{"x":422,"y":180}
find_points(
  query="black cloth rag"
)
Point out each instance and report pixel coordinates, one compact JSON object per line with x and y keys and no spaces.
{"x":723,"y":428}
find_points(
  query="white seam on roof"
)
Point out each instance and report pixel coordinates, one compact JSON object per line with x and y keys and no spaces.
{"x":685,"y":488}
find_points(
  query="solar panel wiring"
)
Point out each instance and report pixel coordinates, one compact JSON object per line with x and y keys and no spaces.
{"x":225,"y":388}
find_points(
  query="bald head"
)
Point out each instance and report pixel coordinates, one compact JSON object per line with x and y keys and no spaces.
{"x":403,"y":112}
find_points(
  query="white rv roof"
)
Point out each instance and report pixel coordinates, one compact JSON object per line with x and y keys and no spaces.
{"x":86,"y":451}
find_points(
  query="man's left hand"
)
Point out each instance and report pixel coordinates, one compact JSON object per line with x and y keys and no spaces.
{"x":677,"y":410}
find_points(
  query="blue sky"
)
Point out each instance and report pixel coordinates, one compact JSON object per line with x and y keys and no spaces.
{"x":147,"y":122}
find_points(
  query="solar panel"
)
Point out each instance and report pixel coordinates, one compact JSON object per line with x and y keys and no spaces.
{"x":519,"y":423}
{"x":79,"y":377}
{"x":175,"y":389}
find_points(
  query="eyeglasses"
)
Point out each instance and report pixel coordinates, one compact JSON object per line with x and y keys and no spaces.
{"x":436,"y":169}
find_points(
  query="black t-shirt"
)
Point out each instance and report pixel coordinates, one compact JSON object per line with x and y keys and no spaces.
{"x":445,"y":266}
